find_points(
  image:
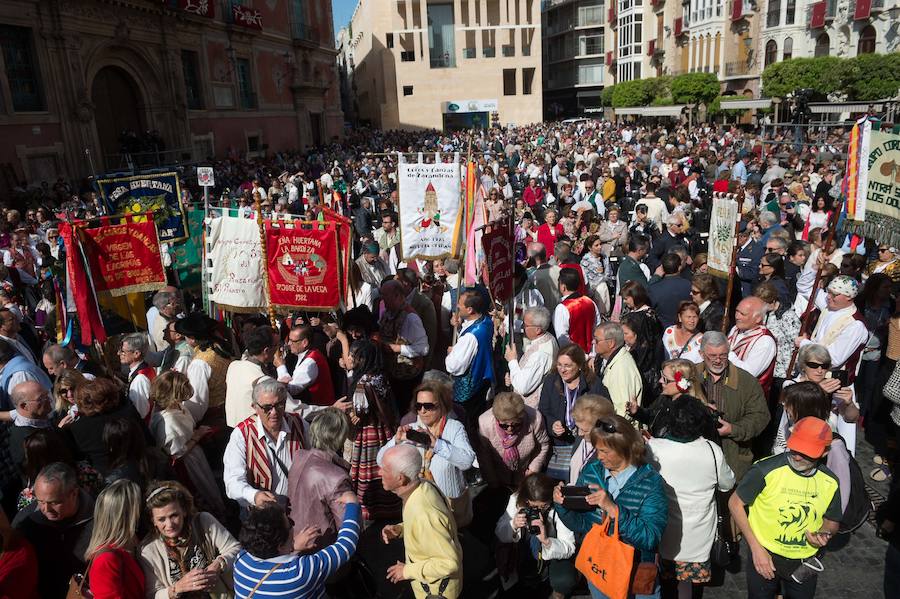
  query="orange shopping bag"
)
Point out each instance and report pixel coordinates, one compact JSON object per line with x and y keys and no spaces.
{"x":606,"y":561}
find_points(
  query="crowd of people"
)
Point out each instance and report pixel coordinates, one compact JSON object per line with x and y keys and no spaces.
{"x":425,"y":440}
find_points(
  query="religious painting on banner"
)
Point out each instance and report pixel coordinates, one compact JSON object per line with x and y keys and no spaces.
{"x":498,"y":251}
{"x":429,"y":205}
{"x":236,"y":264}
{"x":876,"y":213}
{"x":159,"y":193}
{"x":725,"y":213}
{"x":187,"y":256}
{"x":124,"y":258}
{"x":303,"y":265}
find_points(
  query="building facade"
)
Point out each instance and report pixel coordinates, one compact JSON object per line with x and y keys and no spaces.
{"x":574,"y":55}
{"x":89,"y":85}
{"x":444,"y":64}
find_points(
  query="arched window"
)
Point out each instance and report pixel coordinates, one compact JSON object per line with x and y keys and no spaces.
{"x":787,"y":49}
{"x":823,"y":45}
{"x":866,"y":41}
{"x":771,"y":52}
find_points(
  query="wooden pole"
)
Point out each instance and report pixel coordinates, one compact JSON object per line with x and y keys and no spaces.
{"x":732,"y":270}
{"x":265,"y":262}
{"x":811,"y":304}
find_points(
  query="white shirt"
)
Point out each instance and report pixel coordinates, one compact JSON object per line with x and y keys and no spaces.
{"x":237,"y":486}
{"x":526,"y":380}
{"x":459,"y":360}
{"x":305,"y":373}
{"x":238,"y":386}
{"x":414,"y":333}
{"x":9,"y":257}
{"x":848,"y":340}
{"x":561,"y":322}
{"x":759,"y":355}
{"x":198,"y":373}
{"x":139,"y":392}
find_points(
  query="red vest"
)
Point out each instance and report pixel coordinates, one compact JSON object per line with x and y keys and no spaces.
{"x":746,"y":345}
{"x":582,"y":315}
{"x":150,"y":373}
{"x":321,"y":391}
{"x":259,"y":464}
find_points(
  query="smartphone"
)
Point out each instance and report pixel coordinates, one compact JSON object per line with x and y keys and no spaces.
{"x":418,"y":437}
{"x":575,"y":497}
{"x":839,"y":375}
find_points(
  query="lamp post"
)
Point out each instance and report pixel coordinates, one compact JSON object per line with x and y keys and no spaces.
{"x":776,"y":102}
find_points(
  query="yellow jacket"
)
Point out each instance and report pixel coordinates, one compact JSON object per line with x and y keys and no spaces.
{"x":433,"y":553}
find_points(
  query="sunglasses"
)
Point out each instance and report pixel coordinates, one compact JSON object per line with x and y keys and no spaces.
{"x":817,"y":365}
{"x":884,"y":249}
{"x":509,"y":426}
{"x":695,"y":292}
{"x":427,"y":406}
{"x":606,"y":426}
{"x":279,"y":405}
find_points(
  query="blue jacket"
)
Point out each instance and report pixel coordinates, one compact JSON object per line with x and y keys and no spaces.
{"x":642,"y":503}
{"x":19,"y":363}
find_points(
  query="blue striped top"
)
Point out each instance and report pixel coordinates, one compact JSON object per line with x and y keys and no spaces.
{"x":299,"y":576}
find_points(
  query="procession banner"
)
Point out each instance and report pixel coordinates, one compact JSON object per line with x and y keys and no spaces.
{"x":429,"y":205}
{"x":345,"y":237}
{"x":187,"y":256}
{"x":80,"y":289}
{"x":725,"y":213}
{"x":236,"y":265}
{"x":877,"y":213}
{"x":303,"y":265}
{"x":498,"y":252}
{"x":474,"y":251}
{"x":158,"y":193}
{"x":124,"y":258}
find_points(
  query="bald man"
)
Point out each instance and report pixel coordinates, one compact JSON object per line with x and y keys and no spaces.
{"x":753,"y":346}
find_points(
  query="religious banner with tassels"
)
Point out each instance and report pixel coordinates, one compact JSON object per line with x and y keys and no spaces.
{"x":303,"y":265}
{"x":872,"y":184}
{"x":429,"y":206}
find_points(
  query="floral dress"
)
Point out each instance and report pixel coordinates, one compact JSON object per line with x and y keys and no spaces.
{"x":784,"y":327}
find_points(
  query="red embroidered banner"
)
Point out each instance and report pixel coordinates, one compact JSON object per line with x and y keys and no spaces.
{"x":303,"y":265}
{"x":498,"y":252}
{"x":204,"y":8}
{"x":345,"y":238}
{"x":246,"y":17}
{"x":124,"y":258}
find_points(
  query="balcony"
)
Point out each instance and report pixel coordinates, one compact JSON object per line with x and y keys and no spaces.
{"x":737,"y":68}
{"x":820,"y":13}
{"x":248,"y":100}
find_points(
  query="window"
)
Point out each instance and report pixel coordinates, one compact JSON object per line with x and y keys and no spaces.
{"x":245,"y":84}
{"x":527,"y":81}
{"x":389,"y":40}
{"x":791,"y":14}
{"x":590,"y":72}
{"x":787,"y":49}
{"x":508,"y":50}
{"x":192,"y":90}
{"x":441,"y":43}
{"x":590,"y":15}
{"x":22,"y":69}
{"x":866,"y":41}
{"x":509,"y":82}
{"x":771,"y":52}
{"x":253,"y":144}
{"x":591,"y":44}
{"x":468,"y":52}
{"x":407,"y":90}
{"x":823,"y":45}
{"x":773,"y":17}
{"x":408,"y":56}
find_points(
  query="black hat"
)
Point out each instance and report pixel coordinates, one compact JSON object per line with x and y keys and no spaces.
{"x":197,"y":326}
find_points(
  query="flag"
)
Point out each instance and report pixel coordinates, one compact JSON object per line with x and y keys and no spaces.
{"x":303,"y":266}
{"x":236,"y":277}
{"x":81,"y":287}
{"x":498,"y":251}
{"x":429,"y":203}
{"x":474,"y":252}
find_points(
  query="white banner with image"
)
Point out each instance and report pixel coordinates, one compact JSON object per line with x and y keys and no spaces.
{"x":429,"y":209}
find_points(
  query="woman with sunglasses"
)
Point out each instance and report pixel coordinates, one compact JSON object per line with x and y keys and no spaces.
{"x":513,"y":442}
{"x":544,"y":546}
{"x":494,"y":205}
{"x":625,"y":488}
{"x":443,"y":443}
{"x":67,"y":381}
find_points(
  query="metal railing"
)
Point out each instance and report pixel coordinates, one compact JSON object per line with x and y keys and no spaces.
{"x":157,"y":158}
{"x":739,"y":67}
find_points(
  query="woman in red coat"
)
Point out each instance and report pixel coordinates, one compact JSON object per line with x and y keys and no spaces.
{"x":18,"y":564}
{"x":113,"y":571}
{"x":549,"y":232}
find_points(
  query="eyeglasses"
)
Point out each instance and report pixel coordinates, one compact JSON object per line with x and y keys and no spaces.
{"x":66,"y":391}
{"x":509,"y":426}
{"x":606,"y":426}
{"x":884,"y":249}
{"x":294,"y":340}
{"x":427,"y":406}
{"x":278,"y":405}
{"x":665,"y":380}
{"x":817,"y":366}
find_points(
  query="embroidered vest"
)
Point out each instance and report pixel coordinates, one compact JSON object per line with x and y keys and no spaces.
{"x":259,"y":463}
{"x":150,"y":373}
{"x":481,"y":370}
{"x":219,"y":367}
{"x":743,"y":347}
{"x":582,"y":315}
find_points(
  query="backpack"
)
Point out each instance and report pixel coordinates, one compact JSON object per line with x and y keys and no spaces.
{"x":859,"y":506}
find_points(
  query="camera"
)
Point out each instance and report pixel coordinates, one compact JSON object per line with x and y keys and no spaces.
{"x":531,"y":514}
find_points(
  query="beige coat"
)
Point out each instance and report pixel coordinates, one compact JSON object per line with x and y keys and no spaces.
{"x":155,"y":563}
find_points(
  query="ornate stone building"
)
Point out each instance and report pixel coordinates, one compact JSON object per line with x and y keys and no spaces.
{"x":96,"y":85}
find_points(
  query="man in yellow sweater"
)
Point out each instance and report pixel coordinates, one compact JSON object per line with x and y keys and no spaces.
{"x":433,"y":553}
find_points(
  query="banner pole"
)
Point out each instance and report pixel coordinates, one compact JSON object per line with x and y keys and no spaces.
{"x":461,"y":272}
{"x":731,"y":268}
{"x":265,"y":261}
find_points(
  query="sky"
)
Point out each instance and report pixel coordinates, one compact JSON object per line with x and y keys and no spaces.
{"x":342,"y":10}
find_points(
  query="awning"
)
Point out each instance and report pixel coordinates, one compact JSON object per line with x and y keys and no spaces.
{"x":745,"y":104}
{"x":839,"y":107}
{"x":651,"y":110}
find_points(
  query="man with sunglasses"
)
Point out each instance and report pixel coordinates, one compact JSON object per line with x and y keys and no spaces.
{"x":887,"y":262}
{"x":794,"y":508}
{"x":842,"y":329}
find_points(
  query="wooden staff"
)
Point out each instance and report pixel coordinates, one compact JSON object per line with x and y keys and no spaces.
{"x":811,"y":304}
{"x":265,"y":261}
{"x":732,"y":269}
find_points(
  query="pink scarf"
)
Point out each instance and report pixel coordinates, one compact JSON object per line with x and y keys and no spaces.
{"x":510,"y":442}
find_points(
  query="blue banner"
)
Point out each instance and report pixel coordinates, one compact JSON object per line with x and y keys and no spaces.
{"x":159,"y":193}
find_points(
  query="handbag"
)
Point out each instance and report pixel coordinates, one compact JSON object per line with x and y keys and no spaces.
{"x":723,"y":549}
{"x":76,"y":588}
{"x":605,"y":560}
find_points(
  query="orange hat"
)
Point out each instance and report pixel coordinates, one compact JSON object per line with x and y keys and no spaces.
{"x":810,"y":436}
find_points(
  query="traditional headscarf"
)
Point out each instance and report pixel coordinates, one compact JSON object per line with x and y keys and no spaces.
{"x":844,"y":285}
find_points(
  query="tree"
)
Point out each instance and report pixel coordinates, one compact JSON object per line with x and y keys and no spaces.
{"x":638,"y":92}
{"x":606,"y":95}
{"x":872,"y":76}
{"x":694,"y":88}
{"x":823,"y":75}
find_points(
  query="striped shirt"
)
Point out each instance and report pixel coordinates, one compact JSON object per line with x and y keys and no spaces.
{"x":298,"y":576}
